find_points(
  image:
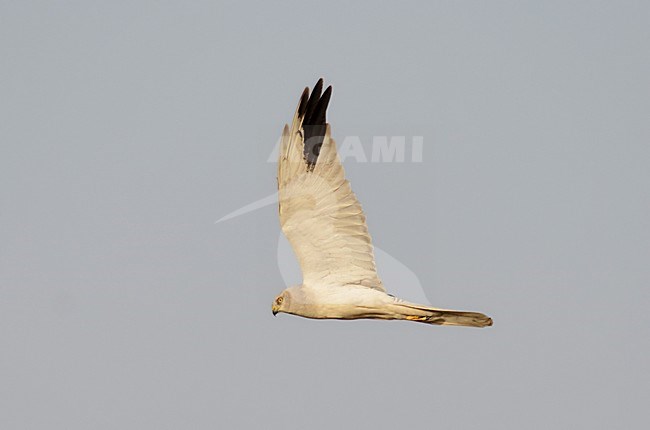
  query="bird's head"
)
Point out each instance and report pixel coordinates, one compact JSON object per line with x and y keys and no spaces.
{"x":282,"y":303}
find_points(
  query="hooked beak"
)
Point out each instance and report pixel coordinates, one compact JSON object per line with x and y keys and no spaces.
{"x":275,"y":310}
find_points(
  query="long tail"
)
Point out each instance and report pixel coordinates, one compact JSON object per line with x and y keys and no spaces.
{"x":425,"y":314}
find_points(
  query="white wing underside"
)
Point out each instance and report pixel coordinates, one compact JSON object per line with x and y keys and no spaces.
{"x":321,"y":216}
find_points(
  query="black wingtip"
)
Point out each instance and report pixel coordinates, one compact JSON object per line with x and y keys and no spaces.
{"x":302,"y":106}
{"x":314,"y":121}
{"x":318,"y":115}
{"x":313,"y":99}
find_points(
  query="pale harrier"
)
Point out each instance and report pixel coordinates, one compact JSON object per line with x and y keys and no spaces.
{"x":326,"y":227}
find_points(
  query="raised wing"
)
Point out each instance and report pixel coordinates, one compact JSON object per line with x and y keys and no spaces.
{"x":319,"y":213}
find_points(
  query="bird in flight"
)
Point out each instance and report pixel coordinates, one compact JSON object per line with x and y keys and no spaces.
{"x":324,"y":222}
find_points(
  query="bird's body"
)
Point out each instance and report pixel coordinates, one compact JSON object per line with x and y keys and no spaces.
{"x":326,"y":227}
{"x":337,"y":302}
{"x":356,"y":302}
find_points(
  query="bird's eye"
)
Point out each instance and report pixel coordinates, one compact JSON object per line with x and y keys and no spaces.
{"x":279,"y":300}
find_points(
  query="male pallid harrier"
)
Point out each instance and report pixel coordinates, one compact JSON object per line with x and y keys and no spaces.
{"x":326,"y":227}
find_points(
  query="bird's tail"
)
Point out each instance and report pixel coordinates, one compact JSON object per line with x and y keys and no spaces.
{"x":425,"y":314}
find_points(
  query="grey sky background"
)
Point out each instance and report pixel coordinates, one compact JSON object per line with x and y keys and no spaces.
{"x":128,"y":128}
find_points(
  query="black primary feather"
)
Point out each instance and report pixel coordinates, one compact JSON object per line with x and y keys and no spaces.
{"x":302,"y":107}
{"x":314,"y":122}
